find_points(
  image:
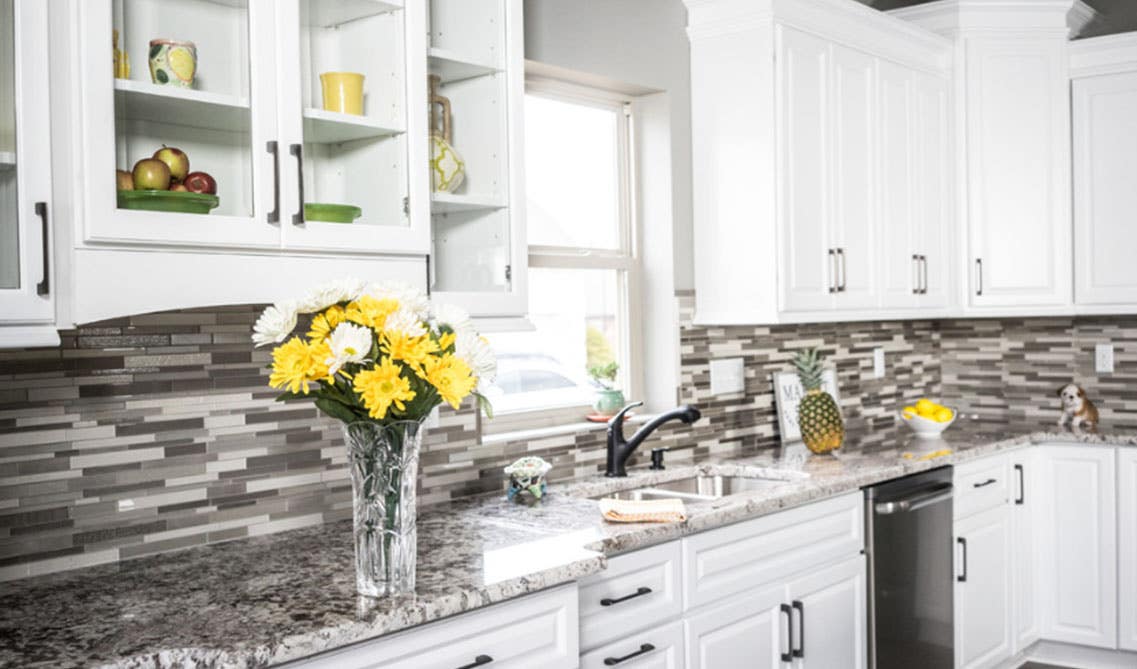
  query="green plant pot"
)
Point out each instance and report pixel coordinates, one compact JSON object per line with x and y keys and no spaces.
{"x":608,"y":402}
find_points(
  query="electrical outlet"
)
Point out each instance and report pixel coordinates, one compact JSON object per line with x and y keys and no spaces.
{"x":727,"y":376}
{"x":878,"y":363}
{"x":1103,"y":359}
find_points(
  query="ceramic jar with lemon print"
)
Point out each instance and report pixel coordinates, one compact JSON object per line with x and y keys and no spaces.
{"x":173,"y":63}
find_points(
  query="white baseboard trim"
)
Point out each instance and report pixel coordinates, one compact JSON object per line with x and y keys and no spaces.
{"x":1070,"y":655}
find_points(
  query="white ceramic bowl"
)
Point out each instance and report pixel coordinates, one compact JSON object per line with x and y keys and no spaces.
{"x":926,"y":428}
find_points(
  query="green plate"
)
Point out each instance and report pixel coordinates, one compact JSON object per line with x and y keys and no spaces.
{"x":331,"y":213}
{"x":167,"y":200}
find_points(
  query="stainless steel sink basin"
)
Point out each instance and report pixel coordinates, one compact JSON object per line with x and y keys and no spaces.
{"x":697,"y":488}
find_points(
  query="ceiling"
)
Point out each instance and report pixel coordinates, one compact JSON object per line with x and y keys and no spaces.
{"x":1115,"y":16}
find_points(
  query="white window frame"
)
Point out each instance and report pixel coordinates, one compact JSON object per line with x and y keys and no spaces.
{"x":626,"y":259}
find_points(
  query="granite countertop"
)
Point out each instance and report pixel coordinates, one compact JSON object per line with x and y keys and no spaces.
{"x":266,"y":600}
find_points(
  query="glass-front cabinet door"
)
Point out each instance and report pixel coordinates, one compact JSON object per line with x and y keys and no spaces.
{"x":475,"y":61}
{"x":25,"y":169}
{"x":351,"y":80}
{"x":177,"y":99}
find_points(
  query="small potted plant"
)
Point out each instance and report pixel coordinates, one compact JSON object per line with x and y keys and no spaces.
{"x":609,"y":399}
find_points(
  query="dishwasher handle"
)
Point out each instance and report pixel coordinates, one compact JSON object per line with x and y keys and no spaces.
{"x":919,"y":500}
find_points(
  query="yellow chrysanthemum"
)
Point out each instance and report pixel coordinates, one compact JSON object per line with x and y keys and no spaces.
{"x":382,"y":387}
{"x":323,"y":324}
{"x":296,"y":363}
{"x":446,"y":341}
{"x":450,"y":376}
{"x":371,"y":312}
{"x":411,"y":350}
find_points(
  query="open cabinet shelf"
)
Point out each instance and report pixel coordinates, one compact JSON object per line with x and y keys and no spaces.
{"x":325,"y":127}
{"x":142,"y":101}
{"x":449,"y":203}
{"x":452,"y":67}
{"x":328,"y":14}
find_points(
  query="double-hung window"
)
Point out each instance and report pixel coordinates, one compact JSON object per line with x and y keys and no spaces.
{"x":583,"y":265}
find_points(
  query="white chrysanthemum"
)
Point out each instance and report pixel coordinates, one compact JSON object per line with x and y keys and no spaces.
{"x":476,"y":352}
{"x":275,"y":324}
{"x":333,"y":292}
{"x":456,"y":317}
{"x":349,"y":343}
{"x":409,"y":297}
{"x":405,"y":321}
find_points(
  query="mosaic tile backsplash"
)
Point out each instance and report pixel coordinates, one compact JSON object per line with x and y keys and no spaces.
{"x":157,"y":432}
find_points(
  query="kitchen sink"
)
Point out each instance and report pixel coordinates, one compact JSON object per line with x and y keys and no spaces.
{"x":697,"y":488}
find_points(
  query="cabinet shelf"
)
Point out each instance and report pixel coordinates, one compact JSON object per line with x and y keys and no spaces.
{"x":325,"y":127}
{"x":143,"y":101}
{"x":449,"y":203}
{"x":325,"y":14}
{"x":7,"y":160}
{"x":454,"y":67}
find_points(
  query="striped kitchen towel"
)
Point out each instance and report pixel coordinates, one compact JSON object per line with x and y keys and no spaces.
{"x":645,"y":511}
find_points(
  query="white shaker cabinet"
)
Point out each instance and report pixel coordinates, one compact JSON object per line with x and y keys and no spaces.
{"x":750,"y":630}
{"x":1127,"y":548}
{"x":1077,"y":491}
{"x":656,"y":648}
{"x":982,"y":595}
{"x":27,"y":280}
{"x":829,"y":610}
{"x":1025,"y":549}
{"x":1105,"y":143}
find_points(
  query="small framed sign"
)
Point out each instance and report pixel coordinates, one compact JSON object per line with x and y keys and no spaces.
{"x":788,"y":393}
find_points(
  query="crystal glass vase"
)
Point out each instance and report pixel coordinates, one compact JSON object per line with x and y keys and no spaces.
{"x":384,"y":470}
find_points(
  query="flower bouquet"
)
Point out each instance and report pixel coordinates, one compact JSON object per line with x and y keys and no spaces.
{"x":379,"y":358}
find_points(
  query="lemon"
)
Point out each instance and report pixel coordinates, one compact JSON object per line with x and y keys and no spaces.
{"x":909,"y":411}
{"x":182,"y":63}
{"x":943,"y":415}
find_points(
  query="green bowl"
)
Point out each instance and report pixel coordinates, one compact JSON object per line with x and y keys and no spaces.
{"x":167,"y":200}
{"x":331,"y":213}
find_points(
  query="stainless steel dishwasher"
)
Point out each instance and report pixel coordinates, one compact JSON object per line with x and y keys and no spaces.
{"x":908,"y":526}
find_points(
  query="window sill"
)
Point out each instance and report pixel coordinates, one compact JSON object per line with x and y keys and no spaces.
{"x":557,"y":430}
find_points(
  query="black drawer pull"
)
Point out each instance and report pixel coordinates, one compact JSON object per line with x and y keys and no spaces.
{"x":478,"y":661}
{"x":962,"y":578}
{"x":44,"y":287}
{"x":984,"y":483}
{"x":640,"y":592}
{"x":788,"y":655}
{"x":800,"y":650}
{"x":613,"y":661}
{"x":1022,"y":485}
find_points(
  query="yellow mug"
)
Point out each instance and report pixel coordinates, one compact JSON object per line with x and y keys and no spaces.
{"x":343,"y":92}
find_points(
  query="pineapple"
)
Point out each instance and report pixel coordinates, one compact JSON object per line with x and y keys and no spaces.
{"x":822,"y":429}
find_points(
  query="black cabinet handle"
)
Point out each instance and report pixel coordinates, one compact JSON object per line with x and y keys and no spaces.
{"x":979,"y":266}
{"x":1022,"y":486}
{"x":298,"y":151}
{"x":44,"y":286}
{"x":832,"y":270}
{"x":983,"y":484}
{"x":274,"y":215}
{"x":924,"y":266}
{"x":478,"y":661}
{"x":800,"y":651}
{"x":640,"y":592}
{"x":916,"y":271}
{"x":844,"y":276}
{"x":962,"y":578}
{"x":788,"y":655}
{"x":613,"y":661}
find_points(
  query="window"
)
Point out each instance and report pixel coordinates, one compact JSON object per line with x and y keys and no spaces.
{"x":583,"y":270}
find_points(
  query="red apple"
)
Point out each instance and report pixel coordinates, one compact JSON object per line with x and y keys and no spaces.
{"x":176,"y":160}
{"x":151,"y":174}
{"x":200,"y":182}
{"x":124,"y":180}
{"x":179,"y":188}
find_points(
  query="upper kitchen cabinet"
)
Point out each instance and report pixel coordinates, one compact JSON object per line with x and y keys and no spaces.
{"x":1011,"y":70}
{"x":822,"y":178}
{"x":478,"y":255}
{"x":1104,"y":87}
{"x":26,"y":279}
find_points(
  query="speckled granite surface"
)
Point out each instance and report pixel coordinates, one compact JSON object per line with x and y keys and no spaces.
{"x":256,"y":602}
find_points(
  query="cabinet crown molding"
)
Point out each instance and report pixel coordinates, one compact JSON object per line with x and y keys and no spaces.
{"x":949,"y":17}
{"x":1103,"y":55}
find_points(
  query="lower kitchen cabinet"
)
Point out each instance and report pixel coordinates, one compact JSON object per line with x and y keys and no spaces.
{"x":656,"y":648}
{"x":1077,"y":490}
{"x":829,"y":626}
{"x":1024,"y":556}
{"x":982,"y":591}
{"x":749,"y":630}
{"x":1127,"y":548}
{"x":538,"y":630}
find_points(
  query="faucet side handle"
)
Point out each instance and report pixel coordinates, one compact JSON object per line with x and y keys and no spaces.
{"x":618,"y":419}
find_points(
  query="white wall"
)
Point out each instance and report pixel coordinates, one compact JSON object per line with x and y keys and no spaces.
{"x":640,"y":42}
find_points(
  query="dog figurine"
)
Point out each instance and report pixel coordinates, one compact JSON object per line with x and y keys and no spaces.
{"x":1077,"y":411}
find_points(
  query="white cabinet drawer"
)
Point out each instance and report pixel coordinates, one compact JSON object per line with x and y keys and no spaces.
{"x":539,"y":630}
{"x":981,"y":485}
{"x":636,"y":591}
{"x":738,"y":557}
{"x":656,"y":648}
